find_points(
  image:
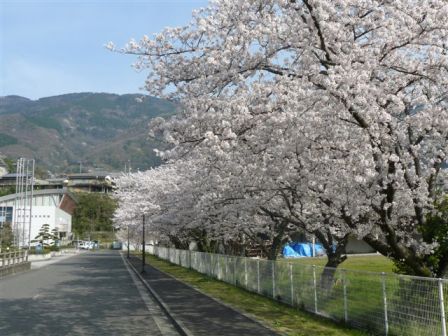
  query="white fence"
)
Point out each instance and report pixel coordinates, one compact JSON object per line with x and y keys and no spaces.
{"x":13,"y":258}
{"x":386,"y":304}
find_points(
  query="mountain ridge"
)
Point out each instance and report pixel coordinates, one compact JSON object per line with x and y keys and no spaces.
{"x":102,"y":130}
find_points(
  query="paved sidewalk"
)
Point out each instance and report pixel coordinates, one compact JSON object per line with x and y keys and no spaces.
{"x":35,"y":264}
{"x":200,"y":314}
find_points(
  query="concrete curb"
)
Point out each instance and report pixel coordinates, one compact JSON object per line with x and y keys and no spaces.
{"x":48,"y":256}
{"x":247,"y":315}
{"x":15,"y":269}
{"x":38,"y":264}
{"x":39,"y":257}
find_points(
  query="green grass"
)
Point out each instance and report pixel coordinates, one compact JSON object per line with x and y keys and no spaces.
{"x":372,"y":263}
{"x":282,"y":318}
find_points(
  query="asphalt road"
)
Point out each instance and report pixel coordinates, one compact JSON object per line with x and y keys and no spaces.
{"x":87,"y":294}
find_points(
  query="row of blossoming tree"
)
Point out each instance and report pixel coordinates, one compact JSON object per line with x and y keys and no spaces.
{"x":328,"y":117}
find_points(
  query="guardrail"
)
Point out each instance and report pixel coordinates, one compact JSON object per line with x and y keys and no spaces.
{"x":13,"y":258}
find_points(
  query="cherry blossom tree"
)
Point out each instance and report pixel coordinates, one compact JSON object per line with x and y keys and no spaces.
{"x":183,"y":204}
{"x":338,"y":108}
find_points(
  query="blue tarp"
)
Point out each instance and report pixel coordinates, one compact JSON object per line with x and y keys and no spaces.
{"x":299,"y":250}
{"x":288,"y":252}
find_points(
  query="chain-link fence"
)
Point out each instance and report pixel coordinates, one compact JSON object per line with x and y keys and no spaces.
{"x":386,"y":304}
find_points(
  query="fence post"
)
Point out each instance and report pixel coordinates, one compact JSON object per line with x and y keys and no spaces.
{"x":386,"y":322}
{"x":217,"y":266}
{"x":344,"y":284}
{"x":189,"y":259}
{"x":227,"y":269}
{"x":291,"y":280}
{"x":315,"y":289}
{"x":273,"y":279}
{"x":258,"y":276}
{"x":210,"y":263}
{"x":245,"y":272}
{"x":442,"y":307}
{"x":234,"y":271}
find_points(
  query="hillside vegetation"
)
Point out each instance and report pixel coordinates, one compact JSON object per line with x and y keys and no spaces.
{"x":100,"y":130}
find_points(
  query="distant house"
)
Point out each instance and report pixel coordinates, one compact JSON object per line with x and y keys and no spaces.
{"x":9,"y":180}
{"x":90,"y":182}
{"x":100,"y":182}
{"x":53,"y":206}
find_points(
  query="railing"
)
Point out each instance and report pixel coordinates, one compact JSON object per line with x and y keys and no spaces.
{"x":13,"y":258}
{"x":386,"y":304}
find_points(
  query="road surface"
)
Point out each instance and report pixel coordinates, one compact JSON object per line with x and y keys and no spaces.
{"x":88,"y":294}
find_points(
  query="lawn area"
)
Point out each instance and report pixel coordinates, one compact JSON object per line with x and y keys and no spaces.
{"x":370,"y":263}
{"x":283,"y":319}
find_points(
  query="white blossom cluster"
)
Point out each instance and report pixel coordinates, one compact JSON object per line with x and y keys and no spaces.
{"x":327,"y":115}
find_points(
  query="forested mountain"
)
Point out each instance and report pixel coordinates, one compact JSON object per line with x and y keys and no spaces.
{"x":100,"y":130}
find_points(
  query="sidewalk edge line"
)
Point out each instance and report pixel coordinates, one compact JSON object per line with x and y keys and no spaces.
{"x":251,"y":317}
{"x":180,"y":327}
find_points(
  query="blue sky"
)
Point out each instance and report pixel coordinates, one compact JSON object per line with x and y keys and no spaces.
{"x":57,"y":46}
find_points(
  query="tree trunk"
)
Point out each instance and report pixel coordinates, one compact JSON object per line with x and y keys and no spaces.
{"x":178,"y":244}
{"x":327,"y":277}
{"x":335,"y":254}
{"x":278,"y":241}
{"x":400,"y":254}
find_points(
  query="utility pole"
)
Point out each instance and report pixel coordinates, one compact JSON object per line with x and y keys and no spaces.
{"x":143,"y":247}
{"x":128,"y":241}
{"x":23,"y":202}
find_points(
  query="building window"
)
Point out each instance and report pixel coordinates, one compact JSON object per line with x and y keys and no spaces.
{"x":5,"y":215}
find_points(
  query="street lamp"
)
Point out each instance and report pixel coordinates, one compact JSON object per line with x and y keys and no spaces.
{"x":143,"y":248}
{"x":128,"y":241}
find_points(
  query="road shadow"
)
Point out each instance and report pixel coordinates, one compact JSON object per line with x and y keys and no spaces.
{"x":198,"y":312}
{"x":93,"y":296}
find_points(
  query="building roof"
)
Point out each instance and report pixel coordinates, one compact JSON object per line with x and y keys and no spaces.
{"x":64,"y":191}
{"x":92,"y":175}
{"x":13,"y":177}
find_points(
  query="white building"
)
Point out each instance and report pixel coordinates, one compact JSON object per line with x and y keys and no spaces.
{"x":54,"y":207}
